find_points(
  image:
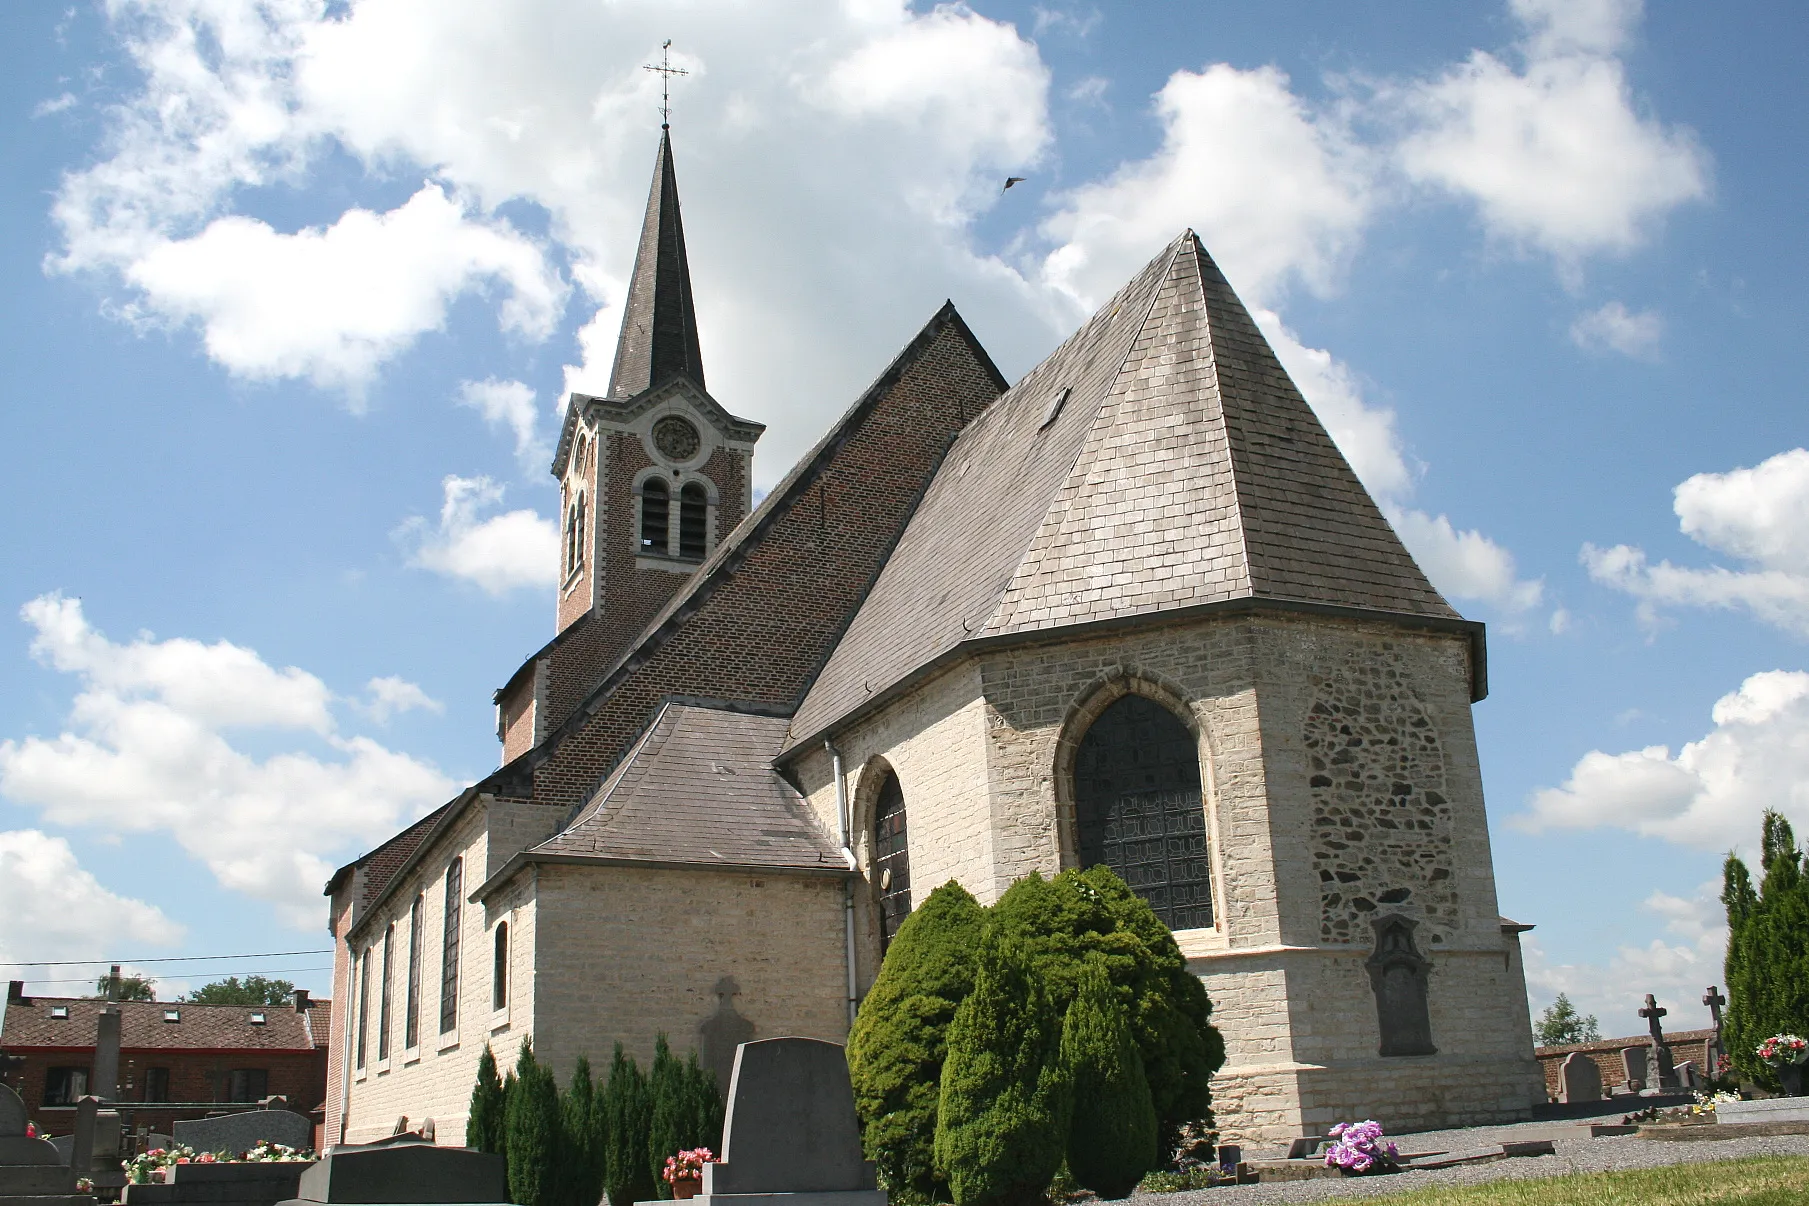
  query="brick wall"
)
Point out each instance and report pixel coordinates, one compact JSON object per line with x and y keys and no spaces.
{"x":194,"y":1076}
{"x":1685,"y":1045}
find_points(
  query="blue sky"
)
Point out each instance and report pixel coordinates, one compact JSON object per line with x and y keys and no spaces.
{"x":293,"y":292}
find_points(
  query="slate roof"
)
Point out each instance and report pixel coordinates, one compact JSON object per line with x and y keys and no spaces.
{"x":659,"y":317}
{"x":698,"y":788}
{"x":1159,"y":459}
{"x":141,"y":1026}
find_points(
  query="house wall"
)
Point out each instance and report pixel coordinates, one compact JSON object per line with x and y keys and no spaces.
{"x":194,"y":1077}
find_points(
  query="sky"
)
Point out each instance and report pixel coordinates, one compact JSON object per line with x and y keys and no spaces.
{"x":292,"y":293}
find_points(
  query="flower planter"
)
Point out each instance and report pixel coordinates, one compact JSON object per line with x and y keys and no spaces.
{"x":686,"y":1188}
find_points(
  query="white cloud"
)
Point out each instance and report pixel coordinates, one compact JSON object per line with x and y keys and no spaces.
{"x":498,"y":553}
{"x":55,"y":104}
{"x":332,"y":305}
{"x":1614,"y":327}
{"x":146,"y":751}
{"x":1555,"y":155}
{"x":392,"y":695}
{"x":1465,"y":564}
{"x":1711,"y":793}
{"x":1759,"y":515}
{"x":1676,"y":968}
{"x":510,"y":404}
{"x":56,"y":909}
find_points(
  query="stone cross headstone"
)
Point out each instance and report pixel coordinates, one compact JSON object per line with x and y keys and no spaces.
{"x":1579,"y":1079}
{"x":1661,"y":1074}
{"x":1652,"y":1013}
{"x":1658,"y":1068}
{"x":722,"y":1034}
{"x":791,"y":1134}
{"x":1716,"y":1047}
{"x":1633,"y":1066}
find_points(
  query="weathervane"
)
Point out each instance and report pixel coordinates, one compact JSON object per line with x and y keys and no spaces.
{"x":665,"y":71}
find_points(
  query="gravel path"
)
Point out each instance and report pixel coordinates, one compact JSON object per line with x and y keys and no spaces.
{"x":1573,"y":1156}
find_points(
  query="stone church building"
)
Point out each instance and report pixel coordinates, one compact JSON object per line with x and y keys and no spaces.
{"x":1135,"y":609}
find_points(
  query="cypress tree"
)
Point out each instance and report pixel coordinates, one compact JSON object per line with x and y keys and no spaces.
{"x":484,"y":1125}
{"x":1004,"y":1111}
{"x":669,"y":1109}
{"x":1092,"y":914}
{"x":1767,"y":949}
{"x":630,"y":1122}
{"x":596,"y":1130}
{"x":584,"y":1185}
{"x":900,"y":1038}
{"x":1112,"y":1132}
{"x":533,"y":1127}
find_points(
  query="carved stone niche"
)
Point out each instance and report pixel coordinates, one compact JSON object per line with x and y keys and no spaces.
{"x":1398,"y":974}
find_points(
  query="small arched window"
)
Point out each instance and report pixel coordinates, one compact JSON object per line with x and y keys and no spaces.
{"x":891,"y":860}
{"x":499,"y":969}
{"x":693,"y":521}
{"x":656,"y":508}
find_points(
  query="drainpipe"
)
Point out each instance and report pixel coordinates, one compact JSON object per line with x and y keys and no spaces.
{"x":845,"y":821}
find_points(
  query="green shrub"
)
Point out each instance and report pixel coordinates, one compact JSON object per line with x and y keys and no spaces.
{"x":534,"y":1138}
{"x":705,"y":1107}
{"x":1767,"y":949}
{"x":583,"y":1178}
{"x":596,"y":1130}
{"x":899,"y":1039}
{"x":1004,"y":1108}
{"x":1080,"y":915}
{"x":630,"y":1121}
{"x":1112,"y":1132}
{"x":669,"y":1107}
{"x":484,"y":1126}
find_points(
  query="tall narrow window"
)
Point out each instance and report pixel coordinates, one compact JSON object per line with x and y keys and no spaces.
{"x":891,"y":861}
{"x":499,"y":968}
{"x":656,"y":508}
{"x":411,"y":1018}
{"x":364,"y":1003}
{"x":156,"y":1084}
{"x":1139,"y":809}
{"x":693,"y":521}
{"x":449,"y":947}
{"x":578,"y":543}
{"x":383,"y":993}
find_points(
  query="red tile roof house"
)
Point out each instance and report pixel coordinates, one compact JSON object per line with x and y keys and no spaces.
{"x":176,"y":1059}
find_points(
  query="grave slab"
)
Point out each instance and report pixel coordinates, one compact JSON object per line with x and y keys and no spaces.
{"x":227,"y":1184}
{"x":406,"y":1170}
{"x":1770,"y":1109}
{"x":239,"y":1133}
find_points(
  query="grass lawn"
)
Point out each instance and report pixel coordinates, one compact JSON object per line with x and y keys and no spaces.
{"x":1759,"y":1181}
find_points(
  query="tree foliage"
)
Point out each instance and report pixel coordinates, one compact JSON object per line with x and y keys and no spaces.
{"x":1003,"y":1117}
{"x":1561,"y":1024}
{"x":900,"y":1036}
{"x":252,"y":990}
{"x":582,"y":1167}
{"x":630,"y":1121}
{"x":131,"y":988}
{"x":534,"y":1133}
{"x":484,"y":1126}
{"x":1767,"y":948}
{"x":1112,"y":1131}
{"x":668,"y":1108}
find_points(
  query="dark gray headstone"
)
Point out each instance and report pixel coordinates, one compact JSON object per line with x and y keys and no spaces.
{"x":12,"y":1114}
{"x":791,"y":1126}
{"x":238,"y":1133}
{"x":1633,"y":1064}
{"x":1579,"y":1079}
{"x":1658,"y":1064}
{"x":263,"y":1183}
{"x":406,"y":1171}
{"x":29,"y":1167}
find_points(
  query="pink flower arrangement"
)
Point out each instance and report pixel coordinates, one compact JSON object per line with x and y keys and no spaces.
{"x":687,"y":1165}
{"x":1781,"y":1049}
{"x":1358,"y":1148}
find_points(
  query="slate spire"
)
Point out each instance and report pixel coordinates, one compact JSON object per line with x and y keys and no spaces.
{"x":659,"y":319}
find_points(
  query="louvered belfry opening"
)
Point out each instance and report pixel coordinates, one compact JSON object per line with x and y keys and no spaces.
{"x":693,"y":522}
{"x":1140,"y":812}
{"x":891,"y":860}
{"x":656,"y":509}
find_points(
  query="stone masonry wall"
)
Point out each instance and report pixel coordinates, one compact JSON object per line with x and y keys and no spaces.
{"x":625,"y":953}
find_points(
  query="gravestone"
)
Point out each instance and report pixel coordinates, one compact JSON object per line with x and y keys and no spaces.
{"x":1663,"y":1075}
{"x":259,"y":1183}
{"x":791,"y":1135}
{"x":31,"y":1172}
{"x":404,"y":1169}
{"x":1398,"y":977}
{"x":1659,"y":1073}
{"x":1716,"y":1047}
{"x":239,"y":1133}
{"x":1579,"y":1079}
{"x":1633,"y":1066}
{"x":1687,"y":1075}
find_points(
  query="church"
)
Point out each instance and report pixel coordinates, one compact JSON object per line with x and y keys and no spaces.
{"x":1134,"y":609}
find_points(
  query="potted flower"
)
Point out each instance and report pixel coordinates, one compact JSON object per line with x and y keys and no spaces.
{"x":1358,"y":1150}
{"x":684,"y":1172}
{"x":1787,"y":1053}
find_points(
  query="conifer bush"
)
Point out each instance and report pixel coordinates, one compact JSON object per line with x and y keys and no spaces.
{"x":704,"y":1107}
{"x":484,"y":1125}
{"x":669,"y":1107}
{"x":1112,"y":1130}
{"x":1767,"y":949}
{"x":1064,"y":922}
{"x":534,"y":1136}
{"x":1004,"y":1111}
{"x":583,"y":1179}
{"x":630,"y":1121}
{"x":900,"y":1037}
{"x":596,"y":1130}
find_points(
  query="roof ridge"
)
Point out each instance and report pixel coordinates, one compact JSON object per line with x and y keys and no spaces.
{"x":1198,"y":250}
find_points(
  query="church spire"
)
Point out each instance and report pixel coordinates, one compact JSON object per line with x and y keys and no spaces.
{"x":659,"y":319}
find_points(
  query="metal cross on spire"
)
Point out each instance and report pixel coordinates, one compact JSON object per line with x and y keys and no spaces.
{"x":665,"y":71}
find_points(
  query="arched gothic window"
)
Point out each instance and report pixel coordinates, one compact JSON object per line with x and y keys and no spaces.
{"x":656,"y":508}
{"x":499,"y":968}
{"x":693,"y":521}
{"x":449,"y":945}
{"x":1138,"y":809}
{"x":574,"y":536}
{"x":891,"y":860}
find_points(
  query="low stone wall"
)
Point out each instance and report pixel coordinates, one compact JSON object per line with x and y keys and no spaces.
{"x":1685,"y":1045}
